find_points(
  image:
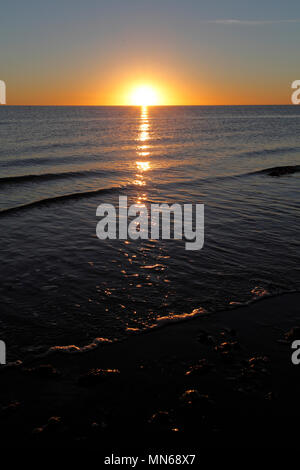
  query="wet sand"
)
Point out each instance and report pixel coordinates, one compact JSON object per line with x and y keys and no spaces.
{"x":219,"y":380}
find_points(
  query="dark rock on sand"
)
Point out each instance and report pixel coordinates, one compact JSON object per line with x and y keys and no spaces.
{"x":195,"y":411}
{"x":194,"y":397}
{"x":231,"y":331}
{"x":258,"y":363}
{"x":95,"y":376}
{"x":255,"y":366}
{"x":199,"y":369}
{"x":54,"y":425}
{"x":44,"y":371}
{"x":227,"y":346}
{"x":10,"y":408}
{"x":11,"y":365}
{"x":204,"y":337}
{"x":270,"y":396}
{"x":163,"y":422}
{"x":293,"y":333}
{"x":161,"y":418}
{"x":226,"y":349}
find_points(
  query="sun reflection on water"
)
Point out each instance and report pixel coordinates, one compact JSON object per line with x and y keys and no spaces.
{"x":143,"y":166}
{"x":144,"y":125}
{"x":142,"y":151}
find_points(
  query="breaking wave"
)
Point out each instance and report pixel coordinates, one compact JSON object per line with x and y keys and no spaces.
{"x":49,"y":176}
{"x":59,"y":199}
{"x":73,"y":349}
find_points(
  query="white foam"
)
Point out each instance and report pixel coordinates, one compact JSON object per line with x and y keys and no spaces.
{"x":72,"y":348}
{"x":176,"y":318}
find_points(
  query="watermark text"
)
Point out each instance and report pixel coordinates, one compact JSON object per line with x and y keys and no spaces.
{"x":2,"y":92}
{"x":162,"y":221}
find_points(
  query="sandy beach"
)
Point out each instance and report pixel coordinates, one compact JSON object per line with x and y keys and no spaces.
{"x":224,"y":379}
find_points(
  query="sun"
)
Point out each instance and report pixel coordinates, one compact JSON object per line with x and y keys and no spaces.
{"x":144,"y":95}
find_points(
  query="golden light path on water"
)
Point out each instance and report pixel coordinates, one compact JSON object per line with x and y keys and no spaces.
{"x":142,"y":164}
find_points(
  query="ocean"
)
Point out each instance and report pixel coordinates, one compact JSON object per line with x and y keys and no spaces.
{"x":61,"y":285}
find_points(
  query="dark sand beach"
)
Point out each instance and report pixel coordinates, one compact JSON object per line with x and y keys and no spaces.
{"x":220,"y":380}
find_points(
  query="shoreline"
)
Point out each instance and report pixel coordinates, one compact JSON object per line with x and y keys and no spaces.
{"x":235,"y":365}
{"x":161,"y":322}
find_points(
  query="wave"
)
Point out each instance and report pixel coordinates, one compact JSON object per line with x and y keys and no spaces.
{"x":272,"y":171}
{"x":72,"y":348}
{"x":44,"y":161}
{"x":50,"y":176}
{"x":278,"y":170}
{"x":36,"y":177}
{"x":58,"y":199}
{"x":51,"y":146}
{"x":274,"y":151}
{"x":258,"y":293}
{"x":178,"y":318}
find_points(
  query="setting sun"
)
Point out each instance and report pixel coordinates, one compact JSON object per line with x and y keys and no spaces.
{"x":144,"y":95}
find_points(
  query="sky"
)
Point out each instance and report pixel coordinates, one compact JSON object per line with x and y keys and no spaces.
{"x":192,"y":52}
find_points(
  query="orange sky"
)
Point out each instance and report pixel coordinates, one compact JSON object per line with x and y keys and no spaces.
{"x":171,"y":87}
{"x":190,"y":53}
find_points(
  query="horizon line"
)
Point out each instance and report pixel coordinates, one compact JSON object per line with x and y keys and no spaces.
{"x":147,"y":106}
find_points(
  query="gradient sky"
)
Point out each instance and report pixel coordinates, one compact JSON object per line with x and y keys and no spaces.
{"x":194,"y":52}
